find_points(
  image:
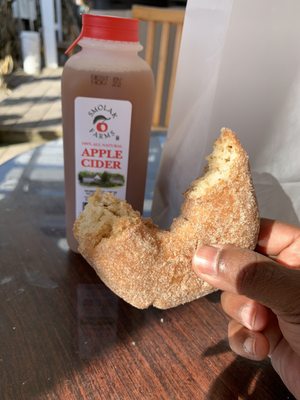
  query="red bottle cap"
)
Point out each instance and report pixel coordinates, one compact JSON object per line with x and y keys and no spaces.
{"x":107,"y":28}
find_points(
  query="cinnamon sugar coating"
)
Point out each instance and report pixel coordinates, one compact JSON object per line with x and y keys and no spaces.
{"x":147,"y":266}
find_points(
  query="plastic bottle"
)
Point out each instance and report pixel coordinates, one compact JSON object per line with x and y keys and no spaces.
{"x":107,"y":101}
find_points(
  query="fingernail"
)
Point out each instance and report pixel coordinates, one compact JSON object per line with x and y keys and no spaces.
{"x":262,"y":242}
{"x":205,"y":260}
{"x":248,"y":316}
{"x":248,"y":345}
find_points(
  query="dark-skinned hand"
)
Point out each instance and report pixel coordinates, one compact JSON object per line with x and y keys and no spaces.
{"x":261,"y":295}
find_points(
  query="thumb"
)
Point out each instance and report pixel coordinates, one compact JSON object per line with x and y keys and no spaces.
{"x":253,"y":275}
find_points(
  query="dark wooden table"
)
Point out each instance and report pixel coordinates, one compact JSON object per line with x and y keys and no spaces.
{"x":64,"y":335}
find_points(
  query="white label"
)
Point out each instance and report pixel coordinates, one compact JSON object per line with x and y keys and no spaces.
{"x":102,"y":133}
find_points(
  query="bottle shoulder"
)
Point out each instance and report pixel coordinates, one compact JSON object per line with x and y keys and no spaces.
{"x":106,"y":61}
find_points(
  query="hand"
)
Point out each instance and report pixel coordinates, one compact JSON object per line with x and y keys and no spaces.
{"x":262,"y":296}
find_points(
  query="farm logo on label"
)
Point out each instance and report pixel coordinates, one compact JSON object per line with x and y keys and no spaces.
{"x":101,"y":119}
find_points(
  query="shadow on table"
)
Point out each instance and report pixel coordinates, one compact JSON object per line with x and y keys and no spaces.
{"x":249,"y":379}
{"x":246,"y":380}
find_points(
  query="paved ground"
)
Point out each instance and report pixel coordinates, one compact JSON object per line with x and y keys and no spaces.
{"x":30,"y":112}
{"x":9,"y":151}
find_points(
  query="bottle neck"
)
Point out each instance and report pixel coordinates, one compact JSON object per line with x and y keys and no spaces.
{"x":110,"y":45}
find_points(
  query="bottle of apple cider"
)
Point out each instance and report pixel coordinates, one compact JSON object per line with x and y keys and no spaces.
{"x":107,"y":101}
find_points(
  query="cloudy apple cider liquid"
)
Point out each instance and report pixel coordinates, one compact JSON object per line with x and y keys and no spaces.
{"x":107,"y":100}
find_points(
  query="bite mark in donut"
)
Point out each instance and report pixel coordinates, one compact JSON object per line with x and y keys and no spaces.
{"x":147,"y":266}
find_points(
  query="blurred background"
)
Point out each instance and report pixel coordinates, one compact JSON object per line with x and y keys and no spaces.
{"x":34,"y":35}
{"x":43,"y":28}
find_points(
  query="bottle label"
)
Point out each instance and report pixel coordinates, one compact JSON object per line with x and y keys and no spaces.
{"x":102,"y":134}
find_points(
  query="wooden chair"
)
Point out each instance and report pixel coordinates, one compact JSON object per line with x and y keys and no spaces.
{"x":164,"y":29}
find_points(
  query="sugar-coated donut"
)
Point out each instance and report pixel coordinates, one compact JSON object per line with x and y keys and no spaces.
{"x":147,"y":266}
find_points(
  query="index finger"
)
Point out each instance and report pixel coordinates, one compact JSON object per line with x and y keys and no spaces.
{"x":280,"y":240}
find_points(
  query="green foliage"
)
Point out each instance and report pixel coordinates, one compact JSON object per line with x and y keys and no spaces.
{"x":104,"y":179}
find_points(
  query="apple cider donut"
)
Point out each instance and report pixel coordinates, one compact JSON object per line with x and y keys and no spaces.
{"x":147,"y":266}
